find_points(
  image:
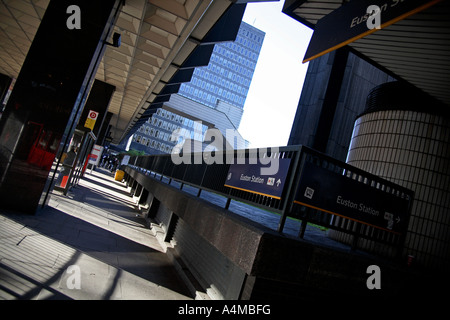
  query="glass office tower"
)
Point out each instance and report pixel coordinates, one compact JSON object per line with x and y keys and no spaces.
{"x":222,"y":86}
{"x":156,"y":133}
{"x":230,"y":71}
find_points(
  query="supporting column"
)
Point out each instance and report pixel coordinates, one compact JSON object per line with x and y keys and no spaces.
{"x":49,"y":95}
{"x":99,"y":98}
{"x":5,"y":83}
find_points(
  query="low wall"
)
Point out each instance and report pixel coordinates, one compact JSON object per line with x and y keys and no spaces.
{"x":232,"y":257}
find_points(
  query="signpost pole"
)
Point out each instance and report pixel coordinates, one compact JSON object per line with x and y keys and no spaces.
{"x":291,"y":190}
{"x":227,"y":205}
{"x":356,"y":237}
{"x":301,"y":233}
{"x":201,"y":181}
{"x":402,"y":240}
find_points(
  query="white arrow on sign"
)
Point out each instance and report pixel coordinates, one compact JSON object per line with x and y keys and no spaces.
{"x":278,"y":182}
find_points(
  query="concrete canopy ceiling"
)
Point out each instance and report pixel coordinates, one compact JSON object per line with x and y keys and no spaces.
{"x":157,"y":36}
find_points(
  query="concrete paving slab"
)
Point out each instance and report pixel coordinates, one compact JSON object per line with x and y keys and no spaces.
{"x":91,"y":237}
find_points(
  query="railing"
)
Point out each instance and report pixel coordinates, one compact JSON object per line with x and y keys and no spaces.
{"x":212,"y":177}
{"x":346,"y":225}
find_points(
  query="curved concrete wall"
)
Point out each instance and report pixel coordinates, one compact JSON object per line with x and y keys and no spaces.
{"x":411,"y":149}
{"x":232,"y":257}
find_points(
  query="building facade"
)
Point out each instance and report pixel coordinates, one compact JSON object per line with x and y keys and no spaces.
{"x":214,"y":98}
{"x":230,"y":71}
{"x":404,"y":137}
{"x":333,"y":95}
{"x":158,"y":133}
{"x":352,"y":111}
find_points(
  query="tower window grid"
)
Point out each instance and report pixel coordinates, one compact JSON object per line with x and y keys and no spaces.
{"x":229,"y":73}
{"x":227,"y":78}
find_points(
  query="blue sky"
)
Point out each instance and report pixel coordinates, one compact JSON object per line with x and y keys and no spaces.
{"x":278,"y":79}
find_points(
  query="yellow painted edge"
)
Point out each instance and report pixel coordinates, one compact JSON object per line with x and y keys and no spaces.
{"x":340,"y":215}
{"x":260,"y":193}
{"x":384,"y":25}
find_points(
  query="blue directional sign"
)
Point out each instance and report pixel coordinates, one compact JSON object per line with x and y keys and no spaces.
{"x":247,"y":177}
{"x":337,"y":194}
{"x":357,"y":19}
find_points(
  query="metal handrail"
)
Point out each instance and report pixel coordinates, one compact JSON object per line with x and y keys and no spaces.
{"x":212,"y":177}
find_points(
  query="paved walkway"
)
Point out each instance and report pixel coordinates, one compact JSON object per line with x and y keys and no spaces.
{"x":89,"y":244}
